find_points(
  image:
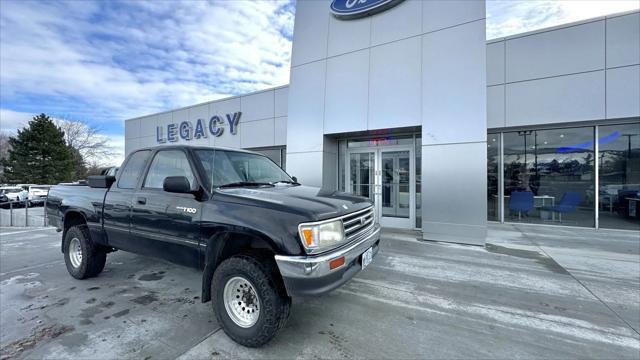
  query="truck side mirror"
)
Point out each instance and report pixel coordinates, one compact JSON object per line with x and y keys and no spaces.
{"x":176,"y":184}
{"x":295,"y":179}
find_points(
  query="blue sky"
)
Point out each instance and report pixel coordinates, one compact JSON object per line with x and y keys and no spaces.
{"x":106,"y":61}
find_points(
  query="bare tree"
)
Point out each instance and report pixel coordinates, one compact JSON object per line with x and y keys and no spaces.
{"x":5,"y":147}
{"x":86,"y":139}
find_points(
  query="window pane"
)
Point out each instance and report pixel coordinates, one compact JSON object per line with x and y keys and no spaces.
{"x":168,"y":163}
{"x":133,"y":170}
{"x":620,"y":176}
{"x":549,"y":176}
{"x":362,"y":176}
{"x":493,"y":161}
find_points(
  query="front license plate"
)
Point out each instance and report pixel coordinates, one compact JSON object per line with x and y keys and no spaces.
{"x":367,"y":256}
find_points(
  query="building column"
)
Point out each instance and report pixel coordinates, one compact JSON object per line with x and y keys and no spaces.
{"x":454,"y":127}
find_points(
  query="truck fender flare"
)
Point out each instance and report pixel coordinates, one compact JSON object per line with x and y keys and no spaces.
{"x":214,"y":252}
{"x":215,"y":244}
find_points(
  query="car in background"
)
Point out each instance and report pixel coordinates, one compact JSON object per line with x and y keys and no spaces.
{"x":15,"y":194}
{"x":110,"y":171}
{"x":37,"y":194}
{"x":4,"y":201}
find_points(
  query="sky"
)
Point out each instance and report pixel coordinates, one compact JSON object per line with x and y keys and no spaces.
{"x":102,"y":62}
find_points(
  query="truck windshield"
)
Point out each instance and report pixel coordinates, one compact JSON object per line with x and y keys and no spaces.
{"x":226,"y":168}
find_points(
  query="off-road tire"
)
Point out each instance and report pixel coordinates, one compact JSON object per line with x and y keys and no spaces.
{"x":275,"y":304}
{"x":94,"y":257}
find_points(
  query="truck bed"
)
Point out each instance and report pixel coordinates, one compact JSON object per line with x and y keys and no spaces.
{"x":87,"y":200}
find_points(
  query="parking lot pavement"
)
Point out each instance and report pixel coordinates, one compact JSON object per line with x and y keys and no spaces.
{"x":416,"y":300}
{"x":138,"y":307}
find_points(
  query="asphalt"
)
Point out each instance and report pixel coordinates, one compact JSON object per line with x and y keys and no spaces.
{"x":534,"y":292}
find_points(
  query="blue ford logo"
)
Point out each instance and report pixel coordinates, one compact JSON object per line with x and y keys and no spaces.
{"x":352,"y":9}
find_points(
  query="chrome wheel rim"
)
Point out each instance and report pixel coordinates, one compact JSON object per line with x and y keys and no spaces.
{"x":241,"y":301}
{"x":75,"y":252}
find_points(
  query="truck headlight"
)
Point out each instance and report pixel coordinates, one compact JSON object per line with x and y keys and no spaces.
{"x":322,"y":235}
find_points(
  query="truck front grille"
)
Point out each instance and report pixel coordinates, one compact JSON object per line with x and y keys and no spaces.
{"x":358,"y":223}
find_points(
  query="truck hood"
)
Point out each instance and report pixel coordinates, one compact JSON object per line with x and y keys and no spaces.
{"x":315,"y":203}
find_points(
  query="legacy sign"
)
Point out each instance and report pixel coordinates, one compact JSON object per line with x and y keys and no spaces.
{"x":353,"y":9}
{"x":187,"y":131}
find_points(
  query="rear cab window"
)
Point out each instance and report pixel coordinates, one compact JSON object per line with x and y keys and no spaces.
{"x":133,"y":169}
{"x":168,"y":163}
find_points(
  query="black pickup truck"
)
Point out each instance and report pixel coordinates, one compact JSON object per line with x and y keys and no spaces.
{"x":258,"y":235}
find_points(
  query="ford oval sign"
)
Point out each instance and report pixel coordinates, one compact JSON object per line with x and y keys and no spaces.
{"x":352,"y":9}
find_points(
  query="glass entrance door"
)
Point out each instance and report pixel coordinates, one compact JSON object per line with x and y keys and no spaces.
{"x":395,"y":184}
{"x":386,"y":176}
{"x":362,"y":172}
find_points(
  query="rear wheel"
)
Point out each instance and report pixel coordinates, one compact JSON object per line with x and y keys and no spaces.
{"x":250,"y":301}
{"x":82,"y":257}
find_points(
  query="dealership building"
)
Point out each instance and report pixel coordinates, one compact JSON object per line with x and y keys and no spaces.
{"x":409,"y":104}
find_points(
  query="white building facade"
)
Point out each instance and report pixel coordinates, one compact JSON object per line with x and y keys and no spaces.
{"x":410,"y":106}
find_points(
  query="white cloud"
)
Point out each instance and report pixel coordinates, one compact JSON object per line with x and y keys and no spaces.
{"x":110,"y":61}
{"x":509,"y":17}
{"x":11,"y":121}
{"x":117,"y":145}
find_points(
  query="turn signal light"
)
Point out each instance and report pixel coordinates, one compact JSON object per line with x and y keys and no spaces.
{"x":308,"y":236}
{"x":336,"y":263}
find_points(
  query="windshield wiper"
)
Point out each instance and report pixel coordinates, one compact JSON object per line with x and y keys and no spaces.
{"x":285,"y":182}
{"x":244,"y":183}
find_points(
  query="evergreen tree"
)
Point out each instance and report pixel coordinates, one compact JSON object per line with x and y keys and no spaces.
{"x":39,"y":154}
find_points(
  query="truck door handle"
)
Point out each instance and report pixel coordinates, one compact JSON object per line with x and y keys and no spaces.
{"x":142,"y":200}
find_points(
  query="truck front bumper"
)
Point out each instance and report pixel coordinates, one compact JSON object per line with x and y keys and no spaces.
{"x":311,"y":275}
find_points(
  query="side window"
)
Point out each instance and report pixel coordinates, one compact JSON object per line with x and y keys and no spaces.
{"x":133,"y":170}
{"x":168,"y":163}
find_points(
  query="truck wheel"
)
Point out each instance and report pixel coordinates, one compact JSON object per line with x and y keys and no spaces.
{"x":83,"y":258}
{"x":250,"y":301}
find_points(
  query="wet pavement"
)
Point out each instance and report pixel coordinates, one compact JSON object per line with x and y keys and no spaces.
{"x":532,"y":293}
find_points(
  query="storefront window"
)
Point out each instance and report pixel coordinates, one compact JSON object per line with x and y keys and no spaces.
{"x":619,"y":178}
{"x":493,"y":162}
{"x":549,"y":176}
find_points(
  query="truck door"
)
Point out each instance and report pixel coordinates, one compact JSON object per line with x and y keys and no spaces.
{"x":166,"y":224}
{"x":119,"y":198}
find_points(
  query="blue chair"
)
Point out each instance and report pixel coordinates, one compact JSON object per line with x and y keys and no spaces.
{"x":568,"y":204}
{"x":521,"y":201}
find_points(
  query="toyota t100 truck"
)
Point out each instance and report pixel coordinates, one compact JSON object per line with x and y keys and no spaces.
{"x":258,"y":236}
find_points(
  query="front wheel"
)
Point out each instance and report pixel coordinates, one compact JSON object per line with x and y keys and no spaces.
{"x":250,"y":302}
{"x":83,"y":258}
